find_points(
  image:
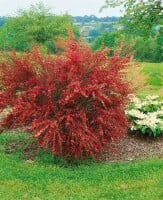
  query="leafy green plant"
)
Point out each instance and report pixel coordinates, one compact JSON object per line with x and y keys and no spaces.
{"x":146,"y":115}
{"x":36,"y":25}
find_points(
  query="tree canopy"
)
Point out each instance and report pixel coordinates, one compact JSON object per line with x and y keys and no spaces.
{"x":34,"y":26}
{"x":141,"y":16}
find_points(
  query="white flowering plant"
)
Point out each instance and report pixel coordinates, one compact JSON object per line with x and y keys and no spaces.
{"x":146,"y":116}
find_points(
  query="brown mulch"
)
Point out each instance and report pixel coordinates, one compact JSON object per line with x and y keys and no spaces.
{"x":134,"y":146}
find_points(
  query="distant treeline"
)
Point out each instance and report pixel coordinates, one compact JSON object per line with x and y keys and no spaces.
{"x":79,"y":19}
{"x":2,"y":20}
{"x":93,"y":18}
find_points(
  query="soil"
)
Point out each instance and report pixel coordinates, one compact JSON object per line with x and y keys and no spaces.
{"x":134,"y":146}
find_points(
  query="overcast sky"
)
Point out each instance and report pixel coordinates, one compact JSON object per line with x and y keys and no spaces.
{"x":73,"y":7}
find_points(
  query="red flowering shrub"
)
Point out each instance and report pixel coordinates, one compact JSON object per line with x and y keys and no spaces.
{"x":72,"y":102}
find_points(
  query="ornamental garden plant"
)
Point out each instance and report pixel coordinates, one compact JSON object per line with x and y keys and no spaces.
{"x":73,"y":103}
{"x":146,"y":115}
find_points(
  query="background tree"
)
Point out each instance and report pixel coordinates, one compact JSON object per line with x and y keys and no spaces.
{"x":140,"y":16}
{"x":141,"y":27}
{"x":34,"y":26}
{"x":107,"y":39}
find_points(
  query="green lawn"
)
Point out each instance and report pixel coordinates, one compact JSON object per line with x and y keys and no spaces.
{"x":47,"y":179}
{"x":155,"y":73}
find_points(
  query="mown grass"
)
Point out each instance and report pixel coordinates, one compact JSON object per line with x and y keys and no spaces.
{"x":155,"y":73}
{"x":47,"y":178}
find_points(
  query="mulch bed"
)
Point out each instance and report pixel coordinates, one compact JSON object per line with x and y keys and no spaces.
{"x":134,"y":146}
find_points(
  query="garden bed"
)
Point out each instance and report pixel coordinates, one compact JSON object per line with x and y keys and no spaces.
{"x":135,"y":146}
{"x":132,"y":147}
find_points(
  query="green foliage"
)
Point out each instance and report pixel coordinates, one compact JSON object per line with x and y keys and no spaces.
{"x":142,"y":27}
{"x":149,"y":49}
{"x":107,"y":40}
{"x":144,"y":49}
{"x":34,"y":26}
{"x":146,"y":116}
{"x":141,"y":16}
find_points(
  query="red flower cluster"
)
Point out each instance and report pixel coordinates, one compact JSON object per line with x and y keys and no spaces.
{"x":73,"y":102}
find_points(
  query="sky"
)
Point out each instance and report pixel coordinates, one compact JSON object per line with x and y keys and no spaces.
{"x":72,"y":7}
